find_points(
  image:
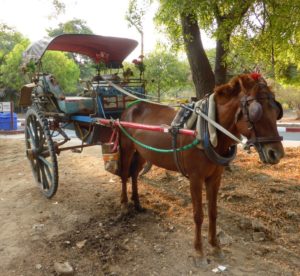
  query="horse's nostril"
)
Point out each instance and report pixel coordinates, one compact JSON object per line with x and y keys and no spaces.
{"x":273,"y":156}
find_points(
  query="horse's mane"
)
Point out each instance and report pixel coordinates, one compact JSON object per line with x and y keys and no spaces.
{"x":241,"y":82}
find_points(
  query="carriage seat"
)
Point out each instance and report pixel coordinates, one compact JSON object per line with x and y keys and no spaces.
{"x":78,"y":105}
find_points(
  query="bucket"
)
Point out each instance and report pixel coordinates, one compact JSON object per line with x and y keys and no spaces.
{"x":111,"y":158}
{"x":5,"y":121}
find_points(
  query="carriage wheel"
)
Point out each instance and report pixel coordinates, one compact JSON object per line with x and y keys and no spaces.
{"x":40,"y":152}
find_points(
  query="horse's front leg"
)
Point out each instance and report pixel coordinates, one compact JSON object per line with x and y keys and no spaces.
{"x":196,"y":184}
{"x":136,"y":167}
{"x":126,"y":157}
{"x":212,"y":187}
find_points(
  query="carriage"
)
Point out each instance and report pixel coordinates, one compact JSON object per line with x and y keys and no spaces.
{"x":51,"y":114}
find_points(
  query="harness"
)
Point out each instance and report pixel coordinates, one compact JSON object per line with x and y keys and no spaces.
{"x":208,"y":148}
{"x":250,"y":108}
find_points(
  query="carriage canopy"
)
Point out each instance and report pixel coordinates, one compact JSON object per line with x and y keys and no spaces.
{"x":110,"y":50}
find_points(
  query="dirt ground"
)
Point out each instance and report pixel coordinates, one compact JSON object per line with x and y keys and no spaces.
{"x":259,"y":219}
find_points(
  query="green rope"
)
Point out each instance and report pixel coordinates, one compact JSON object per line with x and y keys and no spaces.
{"x":133,"y":103}
{"x":186,"y":147}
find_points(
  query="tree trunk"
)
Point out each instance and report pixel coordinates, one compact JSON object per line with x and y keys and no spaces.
{"x":220,"y":64}
{"x":236,"y":13}
{"x":202,"y":74}
{"x":298,"y":112}
{"x":158,"y":93}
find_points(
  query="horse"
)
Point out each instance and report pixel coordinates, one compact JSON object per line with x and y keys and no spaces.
{"x":245,"y":106}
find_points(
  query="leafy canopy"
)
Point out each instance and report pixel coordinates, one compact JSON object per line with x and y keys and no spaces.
{"x":63,"y":68}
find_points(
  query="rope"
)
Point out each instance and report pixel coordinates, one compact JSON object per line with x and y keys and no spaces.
{"x":186,"y":147}
{"x":133,"y":103}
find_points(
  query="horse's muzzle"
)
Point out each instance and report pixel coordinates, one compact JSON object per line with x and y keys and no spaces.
{"x":271,"y":153}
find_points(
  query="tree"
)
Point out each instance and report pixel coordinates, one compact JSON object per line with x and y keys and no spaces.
{"x":135,"y":17}
{"x":183,"y":20}
{"x":59,"y":8}
{"x":268,"y":37}
{"x":165,"y":74}
{"x":12,"y":78}
{"x":63,"y":68}
{"x":8,"y":39}
{"x":75,"y":26}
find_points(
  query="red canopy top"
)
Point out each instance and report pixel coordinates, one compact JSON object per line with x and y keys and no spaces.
{"x":110,"y":50}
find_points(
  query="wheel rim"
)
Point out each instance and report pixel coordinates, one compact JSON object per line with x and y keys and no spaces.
{"x":40,"y":152}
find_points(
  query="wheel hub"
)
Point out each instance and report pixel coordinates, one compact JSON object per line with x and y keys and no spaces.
{"x":31,"y":154}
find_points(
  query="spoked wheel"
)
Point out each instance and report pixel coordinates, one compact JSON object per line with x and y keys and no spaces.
{"x":40,"y":152}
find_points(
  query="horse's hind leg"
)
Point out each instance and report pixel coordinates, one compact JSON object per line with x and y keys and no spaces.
{"x":136,"y":166}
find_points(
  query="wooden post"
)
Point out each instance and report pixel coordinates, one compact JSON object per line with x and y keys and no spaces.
{"x":11,"y":115}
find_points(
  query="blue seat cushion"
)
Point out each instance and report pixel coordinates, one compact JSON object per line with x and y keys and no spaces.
{"x":78,"y":105}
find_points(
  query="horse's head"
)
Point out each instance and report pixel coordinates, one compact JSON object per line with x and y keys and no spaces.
{"x":256,"y":115}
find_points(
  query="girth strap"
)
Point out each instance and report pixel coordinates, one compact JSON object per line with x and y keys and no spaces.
{"x":174,"y":132}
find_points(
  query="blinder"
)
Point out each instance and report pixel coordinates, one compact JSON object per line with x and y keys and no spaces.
{"x":280,"y":113}
{"x":253,"y":110}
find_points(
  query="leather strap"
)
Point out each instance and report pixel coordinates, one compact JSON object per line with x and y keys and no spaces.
{"x":174,"y":131}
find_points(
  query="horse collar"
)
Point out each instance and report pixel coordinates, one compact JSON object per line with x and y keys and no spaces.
{"x":209,"y":151}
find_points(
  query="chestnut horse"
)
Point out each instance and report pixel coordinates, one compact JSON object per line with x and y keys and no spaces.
{"x":245,"y":106}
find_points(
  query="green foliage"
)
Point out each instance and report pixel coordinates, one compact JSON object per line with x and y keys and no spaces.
{"x":289,"y":96}
{"x":217,"y":18}
{"x":64,"y":69}
{"x":165,"y":74}
{"x":12,"y":77}
{"x":9,"y":37}
{"x":75,"y":26}
{"x":264,"y":34}
{"x":268,"y":38}
{"x":136,"y":13}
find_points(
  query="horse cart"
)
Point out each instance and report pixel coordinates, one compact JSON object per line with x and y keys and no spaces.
{"x":245,"y":106}
{"x":51,"y":114}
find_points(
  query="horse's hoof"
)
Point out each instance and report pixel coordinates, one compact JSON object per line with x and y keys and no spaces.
{"x":218,"y":253}
{"x":124,"y":209}
{"x":140,"y":209}
{"x":199,"y":261}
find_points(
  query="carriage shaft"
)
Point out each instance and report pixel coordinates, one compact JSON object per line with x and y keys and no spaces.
{"x":156,"y":128}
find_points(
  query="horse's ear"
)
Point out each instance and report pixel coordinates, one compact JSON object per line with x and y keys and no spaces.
{"x":242,"y":83}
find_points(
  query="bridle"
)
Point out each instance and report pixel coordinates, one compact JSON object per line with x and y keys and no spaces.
{"x":252,"y":111}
